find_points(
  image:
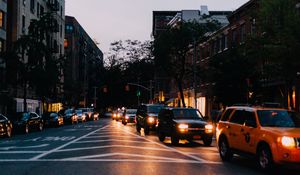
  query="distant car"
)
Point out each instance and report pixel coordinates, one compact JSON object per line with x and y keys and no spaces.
{"x":129,"y":116}
{"x":117,"y":115}
{"x":146,"y":117}
{"x":70,"y":116}
{"x":27,"y":121}
{"x":95,"y":116}
{"x":87,"y":112}
{"x":53,"y":119}
{"x":81,"y":116}
{"x":183,"y":123}
{"x":5,"y":126}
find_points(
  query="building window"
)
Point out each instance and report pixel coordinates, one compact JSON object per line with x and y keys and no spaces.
{"x":234,"y":36}
{"x":69,"y":28}
{"x":66,"y":43}
{"x":41,"y":10}
{"x":225,"y":42}
{"x":253,"y":27}
{"x":38,"y":12}
{"x":61,"y":31}
{"x":1,"y":46}
{"x":23,"y":23}
{"x":24,"y":2}
{"x":243,"y":33}
{"x":2,"y":19}
{"x":61,"y":10}
{"x":32,"y":6}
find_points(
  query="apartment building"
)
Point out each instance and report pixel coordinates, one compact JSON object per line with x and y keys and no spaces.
{"x":3,"y":26}
{"x":19,"y":15}
{"x":84,"y":61}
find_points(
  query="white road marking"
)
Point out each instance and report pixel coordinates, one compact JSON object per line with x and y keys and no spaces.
{"x":93,"y":137}
{"x":173,"y":149}
{"x":109,"y":160}
{"x":124,"y":154}
{"x":62,"y":146}
{"x":83,"y":129}
{"x":23,"y":147}
{"x":112,"y":146}
{"x":21,"y":152}
{"x":112,"y":140}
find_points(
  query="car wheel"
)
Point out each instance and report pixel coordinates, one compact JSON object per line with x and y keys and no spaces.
{"x":265,"y":158}
{"x":41,"y":126}
{"x":146,"y":130}
{"x":207,"y":141}
{"x":8,"y":131}
{"x":174,"y":140}
{"x":26,"y":131}
{"x":224,"y":150}
{"x":161,"y":136}
{"x":138,"y":128}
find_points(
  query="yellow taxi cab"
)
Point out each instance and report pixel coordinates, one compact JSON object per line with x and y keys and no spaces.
{"x":271,"y":135}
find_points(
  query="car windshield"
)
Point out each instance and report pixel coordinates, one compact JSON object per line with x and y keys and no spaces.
{"x":53,"y":115}
{"x":68,"y":111}
{"x":278,"y":118}
{"x":78,"y":111}
{"x":154,"y":109}
{"x":22,"y":116}
{"x":131,"y":111}
{"x":187,"y":114}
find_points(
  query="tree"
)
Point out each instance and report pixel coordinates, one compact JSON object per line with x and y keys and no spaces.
{"x":34,"y":60}
{"x":172,"y":46}
{"x":279,"y":25}
{"x":128,"y":61}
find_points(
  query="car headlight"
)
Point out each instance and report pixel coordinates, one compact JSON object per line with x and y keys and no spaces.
{"x":151,"y":119}
{"x":183,"y":127}
{"x":209,"y":128}
{"x":288,"y":141}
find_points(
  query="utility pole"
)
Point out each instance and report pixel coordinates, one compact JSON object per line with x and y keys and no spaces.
{"x":194,"y":74}
{"x":95,"y":97}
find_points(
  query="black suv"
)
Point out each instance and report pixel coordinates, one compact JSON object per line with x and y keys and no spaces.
{"x":183,"y":123}
{"x":146,"y":117}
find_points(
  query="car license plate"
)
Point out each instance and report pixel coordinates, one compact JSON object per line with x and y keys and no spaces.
{"x":197,"y":137}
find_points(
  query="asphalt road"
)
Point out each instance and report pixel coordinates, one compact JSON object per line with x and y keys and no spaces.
{"x":109,"y":148}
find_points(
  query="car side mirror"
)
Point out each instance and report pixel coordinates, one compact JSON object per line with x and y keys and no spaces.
{"x":250,"y":123}
{"x":205,"y":118}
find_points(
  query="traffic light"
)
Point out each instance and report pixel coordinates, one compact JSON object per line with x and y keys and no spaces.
{"x":127,"y":88}
{"x":105,"y":90}
{"x":138,"y":93}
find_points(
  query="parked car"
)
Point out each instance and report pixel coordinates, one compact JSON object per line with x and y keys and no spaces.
{"x":183,"y":123}
{"x":95,"y":116}
{"x":5,"y":126}
{"x":70,"y":116}
{"x":87,"y":112}
{"x":27,"y":121}
{"x":129,"y":116}
{"x":53,"y":119}
{"x":80,"y":115}
{"x":146,"y":117}
{"x":270,"y":135}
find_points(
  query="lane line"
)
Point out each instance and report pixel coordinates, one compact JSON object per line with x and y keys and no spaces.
{"x":111,"y":140}
{"x":22,"y":152}
{"x":110,"y":160}
{"x":123,"y":154}
{"x":67,"y":144}
{"x":113,"y":146}
{"x":93,"y":137}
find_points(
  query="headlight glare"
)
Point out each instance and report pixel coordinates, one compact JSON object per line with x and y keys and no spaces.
{"x":288,"y":141}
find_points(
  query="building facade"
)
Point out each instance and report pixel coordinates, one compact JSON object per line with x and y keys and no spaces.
{"x":84,"y":63}
{"x":20,"y":13}
{"x":3,"y":28}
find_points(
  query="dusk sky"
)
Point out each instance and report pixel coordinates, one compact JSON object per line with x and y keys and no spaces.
{"x":111,"y":20}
